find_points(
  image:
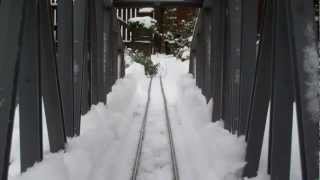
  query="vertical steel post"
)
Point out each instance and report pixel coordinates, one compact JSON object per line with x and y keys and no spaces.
{"x":86,"y":82}
{"x":305,"y":61}
{"x":198,"y":52}
{"x":29,"y":89}
{"x":227,"y":71}
{"x":107,"y":37}
{"x":99,"y":8}
{"x":50,"y":88}
{"x":80,"y":14}
{"x":206,"y":30}
{"x":11,"y":20}
{"x":248,"y":59}
{"x":235,"y":27}
{"x":261,"y":94}
{"x":116,"y":37}
{"x":232,"y":66}
{"x":281,"y":100}
{"x":93,"y":53}
{"x":218,"y":46}
{"x":65,"y":62}
{"x":201,"y":54}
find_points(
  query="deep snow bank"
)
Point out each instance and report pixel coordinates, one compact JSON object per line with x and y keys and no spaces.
{"x":101,"y":128}
{"x":224,"y":152}
{"x":205,"y":150}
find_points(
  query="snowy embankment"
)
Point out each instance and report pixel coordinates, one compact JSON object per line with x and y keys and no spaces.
{"x":104,"y":132}
{"x":205,"y":150}
{"x":109,"y":134}
{"x":222,"y":152}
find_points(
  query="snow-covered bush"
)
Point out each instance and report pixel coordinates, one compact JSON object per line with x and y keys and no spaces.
{"x":127,"y":57}
{"x":150,"y":68}
{"x":143,"y":24}
{"x":146,"y":10}
{"x":183,"y":53}
{"x":179,"y":41}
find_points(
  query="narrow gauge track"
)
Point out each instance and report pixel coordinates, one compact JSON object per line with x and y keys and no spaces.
{"x":137,"y":161}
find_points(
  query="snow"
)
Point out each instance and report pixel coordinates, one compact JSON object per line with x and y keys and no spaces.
{"x":144,"y":42}
{"x":184,"y":53}
{"x":295,"y":169}
{"x":146,"y":10}
{"x":204,"y":149}
{"x":146,"y":21}
{"x":127,"y":58}
{"x":311,"y":66}
{"x":156,"y":158}
{"x":109,"y":134}
{"x":89,"y":156}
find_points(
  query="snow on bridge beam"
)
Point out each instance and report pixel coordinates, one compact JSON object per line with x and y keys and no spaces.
{"x":163,"y":3}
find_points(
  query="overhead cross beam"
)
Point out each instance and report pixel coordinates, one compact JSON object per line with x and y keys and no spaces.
{"x":162,"y":3}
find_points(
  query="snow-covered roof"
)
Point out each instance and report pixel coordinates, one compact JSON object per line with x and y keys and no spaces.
{"x":146,"y":21}
{"x":146,"y":10}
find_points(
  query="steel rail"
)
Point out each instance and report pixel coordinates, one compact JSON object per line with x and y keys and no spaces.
{"x":175,"y":169}
{"x":137,"y":162}
{"x":136,"y":165}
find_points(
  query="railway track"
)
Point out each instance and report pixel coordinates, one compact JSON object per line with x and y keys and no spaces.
{"x":171,"y":147}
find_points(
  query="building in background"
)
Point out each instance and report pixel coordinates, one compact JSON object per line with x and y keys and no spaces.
{"x":174,"y":28}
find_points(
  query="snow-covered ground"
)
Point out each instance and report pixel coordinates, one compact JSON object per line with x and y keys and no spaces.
{"x":205,"y":150}
{"x":109,"y":135}
{"x":156,"y":158}
{"x":146,"y":21}
{"x":106,"y":131}
{"x":146,"y":10}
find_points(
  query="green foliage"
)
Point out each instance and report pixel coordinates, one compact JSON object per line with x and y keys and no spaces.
{"x":136,"y":26}
{"x":150,"y":68}
{"x":177,"y":33}
{"x":142,"y":24}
